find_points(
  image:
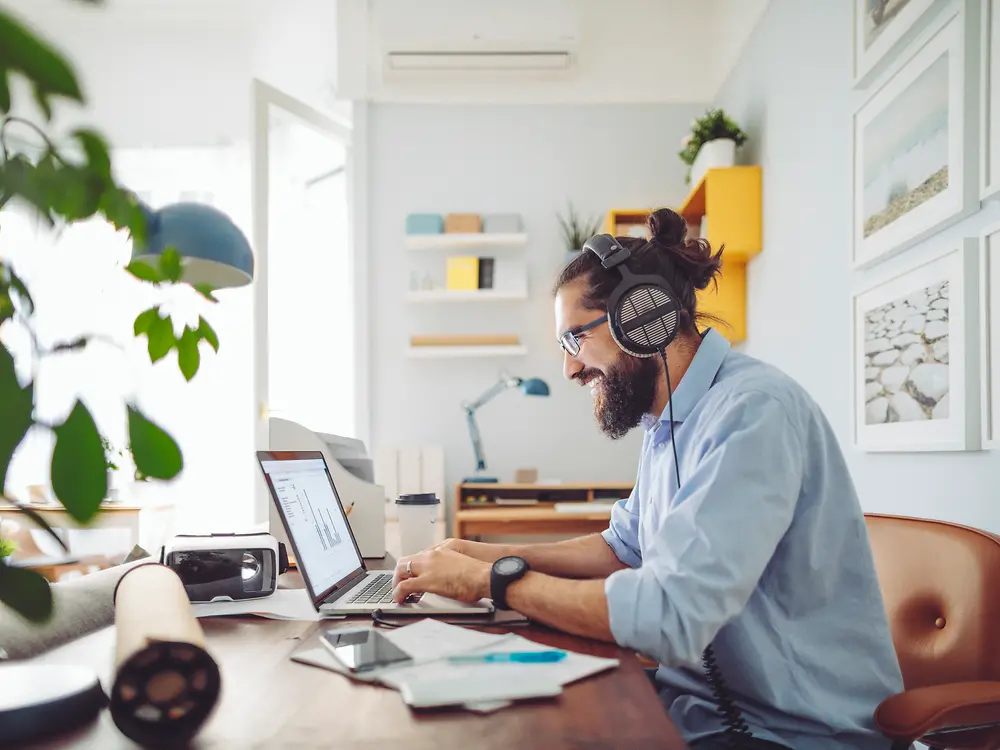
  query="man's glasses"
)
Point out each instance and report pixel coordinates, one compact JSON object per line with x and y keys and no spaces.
{"x":570,"y":341}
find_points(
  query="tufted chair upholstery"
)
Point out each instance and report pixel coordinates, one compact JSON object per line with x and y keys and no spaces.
{"x":941,"y":585}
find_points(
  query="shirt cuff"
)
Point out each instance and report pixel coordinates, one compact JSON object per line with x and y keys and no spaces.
{"x":622,"y":551}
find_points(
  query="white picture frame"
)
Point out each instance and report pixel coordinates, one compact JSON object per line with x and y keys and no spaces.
{"x":899,"y":348}
{"x":900,"y":16}
{"x":989,"y":291}
{"x":900,"y":194}
{"x":989,"y":105}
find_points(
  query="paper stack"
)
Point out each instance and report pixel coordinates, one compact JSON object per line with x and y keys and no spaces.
{"x":430,"y":679}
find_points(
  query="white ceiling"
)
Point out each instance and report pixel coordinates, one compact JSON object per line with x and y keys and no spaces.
{"x":179,"y":72}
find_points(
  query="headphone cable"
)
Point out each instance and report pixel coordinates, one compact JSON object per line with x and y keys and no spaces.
{"x":737,"y":730}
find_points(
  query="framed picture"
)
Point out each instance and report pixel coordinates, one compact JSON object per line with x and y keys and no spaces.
{"x":989,"y":103}
{"x":990,"y":321}
{"x":880,"y":25}
{"x":916,"y":357}
{"x":915,"y":161}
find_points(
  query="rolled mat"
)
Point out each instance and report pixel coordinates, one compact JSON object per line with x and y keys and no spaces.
{"x":166,"y":683}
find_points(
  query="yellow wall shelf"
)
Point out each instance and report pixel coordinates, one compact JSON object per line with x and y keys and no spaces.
{"x":729,"y":199}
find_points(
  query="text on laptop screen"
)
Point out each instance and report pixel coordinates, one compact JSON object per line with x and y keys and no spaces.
{"x":315,"y":521}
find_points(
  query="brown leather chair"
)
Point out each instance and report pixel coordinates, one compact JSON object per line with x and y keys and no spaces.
{"x":941,"y":585}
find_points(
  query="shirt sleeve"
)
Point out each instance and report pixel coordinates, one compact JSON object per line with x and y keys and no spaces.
{"x":713,"y":544}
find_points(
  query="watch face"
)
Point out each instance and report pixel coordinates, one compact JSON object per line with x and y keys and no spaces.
{"x":508,"y":565}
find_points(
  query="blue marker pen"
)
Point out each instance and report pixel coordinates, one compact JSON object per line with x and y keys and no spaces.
{"x":523,"y":657}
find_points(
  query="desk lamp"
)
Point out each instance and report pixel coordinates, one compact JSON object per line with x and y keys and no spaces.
{"x":213,"y":249}
{"x":530,"y":387}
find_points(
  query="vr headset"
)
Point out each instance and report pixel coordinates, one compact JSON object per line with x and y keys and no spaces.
{"x":226,"y":567}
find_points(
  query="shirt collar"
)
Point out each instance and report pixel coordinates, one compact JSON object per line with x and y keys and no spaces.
{"x":696,"y":381}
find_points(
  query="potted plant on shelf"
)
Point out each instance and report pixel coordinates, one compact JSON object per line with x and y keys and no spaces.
{"x":576,"y":232}
{"x":713,"y":141}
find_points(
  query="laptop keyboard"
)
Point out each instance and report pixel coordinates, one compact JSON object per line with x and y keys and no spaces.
{"x":377,"y":591}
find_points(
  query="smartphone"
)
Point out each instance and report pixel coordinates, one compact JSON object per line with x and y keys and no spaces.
{"x":363,"y":650}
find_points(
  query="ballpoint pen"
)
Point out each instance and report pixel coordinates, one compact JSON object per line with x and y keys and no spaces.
{"x":524,"y":657}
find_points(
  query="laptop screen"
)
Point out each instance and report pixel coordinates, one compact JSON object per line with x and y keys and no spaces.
{"x":314,"y":519}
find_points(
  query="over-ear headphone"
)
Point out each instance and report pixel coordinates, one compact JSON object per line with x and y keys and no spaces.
{"x":642,"y":309}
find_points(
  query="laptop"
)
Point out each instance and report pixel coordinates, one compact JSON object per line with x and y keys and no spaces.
{"x":325,"y":549}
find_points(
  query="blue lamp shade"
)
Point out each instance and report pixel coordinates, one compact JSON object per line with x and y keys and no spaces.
{"x":535,"y":387}
{"x":213,"y":249}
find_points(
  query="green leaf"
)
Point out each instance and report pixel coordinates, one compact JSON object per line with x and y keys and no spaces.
{"x":6,"y":306}
{"x":48,"y":71}
{"x":42,"y":524}
{"x":145,"y":319}
{"x":170,"y":264}
{"x":16,"y":407}
{"x":144,"y":272}
{"x":188,"y":357}
{"x":96,"y":149}
{"x":79,"y":468}
{"x":155,"y":453}
{"x":4,"y":92}
{"x":26,"y":592}
{"x":205,"y":290}
{"x":206,"y":332}
{"x":161,"y":338}
{"x":122,"y":209}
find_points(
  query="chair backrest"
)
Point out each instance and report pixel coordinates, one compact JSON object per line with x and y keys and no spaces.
{"x":941,"y":586}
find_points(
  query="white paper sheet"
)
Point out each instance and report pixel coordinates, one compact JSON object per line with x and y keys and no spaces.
{"x":430,"y":642}
{"x":283,"y":604}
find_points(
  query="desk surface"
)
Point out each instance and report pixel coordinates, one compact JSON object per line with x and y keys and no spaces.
{"x":269,"y":701}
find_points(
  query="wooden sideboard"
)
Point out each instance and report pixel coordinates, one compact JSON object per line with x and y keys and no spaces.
{"x":483,"y":509}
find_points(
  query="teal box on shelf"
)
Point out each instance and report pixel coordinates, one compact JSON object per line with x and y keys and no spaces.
{"x":502,"y":223}
{"x":424,"y":224}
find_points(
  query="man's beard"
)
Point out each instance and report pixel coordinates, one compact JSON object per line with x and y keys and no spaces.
{"x":626,"y":394}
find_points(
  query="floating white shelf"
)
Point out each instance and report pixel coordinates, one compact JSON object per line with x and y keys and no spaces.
{"x":444,"y":352}
{"x":483,"y":239}
{"x":465,"y":295}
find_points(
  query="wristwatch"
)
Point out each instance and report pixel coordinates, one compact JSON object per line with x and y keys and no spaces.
{"x":505,"y":571}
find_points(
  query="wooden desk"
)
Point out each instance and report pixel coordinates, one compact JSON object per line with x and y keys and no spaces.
{"x":269,"y":701}
{"x":477,"y":512}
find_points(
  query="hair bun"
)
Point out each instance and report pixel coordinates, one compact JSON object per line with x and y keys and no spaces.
{"x":667,"y":227}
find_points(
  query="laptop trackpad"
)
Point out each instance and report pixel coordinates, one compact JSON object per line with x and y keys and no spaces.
{"x":434,"y":602}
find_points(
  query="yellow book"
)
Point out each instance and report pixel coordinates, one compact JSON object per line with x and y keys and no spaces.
{"x":463,"y":273}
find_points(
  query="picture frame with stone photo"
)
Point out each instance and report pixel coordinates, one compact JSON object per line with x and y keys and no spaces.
{"x":879,"y":27}
{"x":916,"y":163}
{"x":916,"y":357}
{"x":989,"y":291}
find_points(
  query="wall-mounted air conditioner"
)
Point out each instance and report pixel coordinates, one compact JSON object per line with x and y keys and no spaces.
{"x":479,"y":60}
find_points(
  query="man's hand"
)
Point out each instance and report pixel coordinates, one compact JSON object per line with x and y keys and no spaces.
{"x":479,"y":550}
{"x":442,"y":571}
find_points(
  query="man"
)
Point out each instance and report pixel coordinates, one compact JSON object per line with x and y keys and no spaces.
{"x":753,"y":543}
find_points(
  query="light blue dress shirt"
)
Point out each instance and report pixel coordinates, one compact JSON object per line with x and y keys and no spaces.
{"x":763,"y":552}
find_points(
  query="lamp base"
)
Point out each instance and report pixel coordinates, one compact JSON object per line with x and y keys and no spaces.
{"x":480,"y":480}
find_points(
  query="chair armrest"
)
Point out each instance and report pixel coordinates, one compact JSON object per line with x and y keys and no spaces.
{"x":914,"y":713}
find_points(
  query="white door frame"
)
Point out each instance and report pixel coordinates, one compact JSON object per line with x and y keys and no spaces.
{"x":352,"y":135}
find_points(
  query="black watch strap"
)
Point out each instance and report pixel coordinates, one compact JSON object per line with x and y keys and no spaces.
{"x":500,"y":579}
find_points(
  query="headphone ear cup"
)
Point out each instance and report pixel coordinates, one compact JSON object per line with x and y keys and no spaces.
{"x":643,"y":319}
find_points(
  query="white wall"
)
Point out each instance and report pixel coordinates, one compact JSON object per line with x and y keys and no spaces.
{"x":529,"y":159}
{"x":626,"y":51}
{"x":791,"y":91}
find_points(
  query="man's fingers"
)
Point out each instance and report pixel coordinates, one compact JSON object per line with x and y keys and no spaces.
{"x":405,"y":588}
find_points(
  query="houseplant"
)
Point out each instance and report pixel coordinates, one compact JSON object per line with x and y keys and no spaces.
{"x":576,"y":232}
{"x":713,"y":141}
{"x":64,"y":184}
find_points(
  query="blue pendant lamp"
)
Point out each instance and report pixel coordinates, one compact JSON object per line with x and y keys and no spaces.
{"x":213,"y":250}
